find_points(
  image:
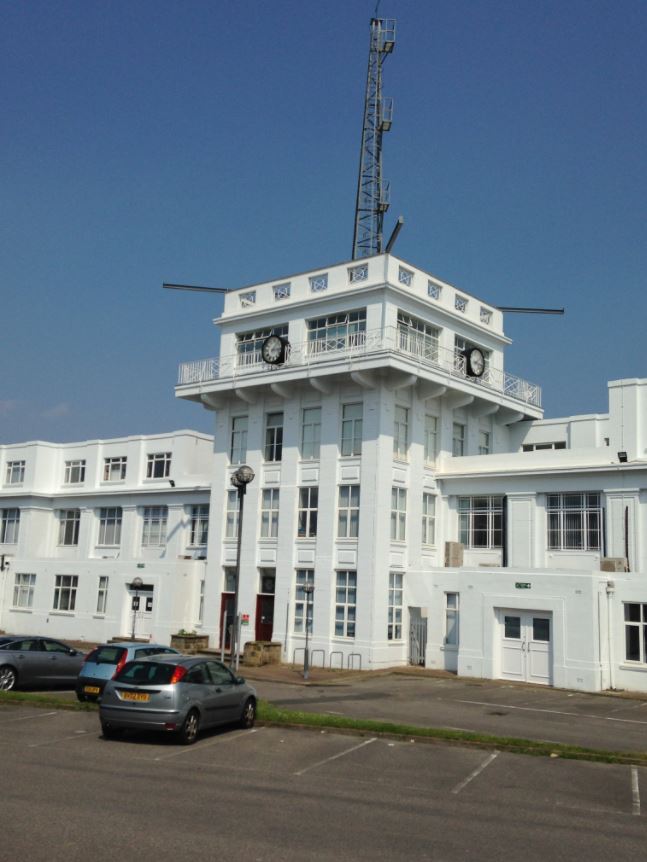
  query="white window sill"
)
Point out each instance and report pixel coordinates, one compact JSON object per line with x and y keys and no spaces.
{"x":21,"y":610}
{"x":113,"y":482}
{"x":639,"y":666}
{"x":62,"y":614}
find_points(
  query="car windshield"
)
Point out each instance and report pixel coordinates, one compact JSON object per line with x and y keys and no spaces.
{"x":106,"y":655}
{"x":146,"y":673}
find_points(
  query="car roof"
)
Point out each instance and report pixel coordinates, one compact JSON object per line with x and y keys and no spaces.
{"x":179,"y":659}
{"x":132,"y":645}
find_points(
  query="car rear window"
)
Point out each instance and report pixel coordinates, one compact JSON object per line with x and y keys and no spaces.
{"x":106,"y":655}
{"x":145,"y":673}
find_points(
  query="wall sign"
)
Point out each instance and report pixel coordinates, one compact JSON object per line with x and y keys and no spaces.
{"x":520,"y":585}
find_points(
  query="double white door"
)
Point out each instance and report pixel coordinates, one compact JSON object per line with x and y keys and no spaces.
{"x":526,"y":652}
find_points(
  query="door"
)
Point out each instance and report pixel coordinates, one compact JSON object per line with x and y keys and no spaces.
{"x":226,"y":618}
{"x":225,"y":694}
{"x":526,"y":652}
{"x":264,"y":617}
{"x":60,"y":665}
{"x":417,"y":637}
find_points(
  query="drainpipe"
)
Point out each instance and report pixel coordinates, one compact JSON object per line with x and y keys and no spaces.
{"x":610,"y":593}
{"x":504,"y":532}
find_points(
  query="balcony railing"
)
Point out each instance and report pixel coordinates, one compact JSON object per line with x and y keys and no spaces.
{"x":423,"y":349}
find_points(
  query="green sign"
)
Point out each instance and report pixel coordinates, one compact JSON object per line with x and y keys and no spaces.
{"x":520,"y":585}
{"x":140,"y":565}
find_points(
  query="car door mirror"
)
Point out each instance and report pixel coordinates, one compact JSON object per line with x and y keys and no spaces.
{"x":239,"y":680}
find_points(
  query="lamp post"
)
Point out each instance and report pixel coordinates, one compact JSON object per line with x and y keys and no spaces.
{"x":240,"y":480}
{"x":136,"y":584}
{"x":308,"y":589}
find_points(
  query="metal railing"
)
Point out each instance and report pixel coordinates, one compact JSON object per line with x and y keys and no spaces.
{"x":421,"y":348}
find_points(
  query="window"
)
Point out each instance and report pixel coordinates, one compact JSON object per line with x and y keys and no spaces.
{"x":238,"y":448}
{"x":458,"y":440}
{"x":351,"y":429}
{"x":267,"y":581}
{"x":418,"y":337}
{"x":398,"y":514}
{"x":486,"y":315}
{"x":636,"y":632}
{"x":230,"y":579}
{"x":23,"y":590}
{"x":9,"y":526}
{"x":114,"y":469}
{"x":337,"y":331}
{"x":460,"y":303}
{"x":102,"y":594}
{"x":247,"y":299}
{"x":536,"y":447}
{"x":15,"y":472}
{"x":480,"y":520}
{"x":301,"y":602}
{"x":318,"y":282}
{"x":308,"y":507}
{"x":431,"y":438}
{"x":405,"y":276}
{"x":65,"y":592}
{"x":110,"y":526}
{"x":158,"y":465}
{"x":201,"y":603}
{"x":248,"y":344}
{"x":282,"y":291}
{"x":74,"y":472}
{"x":345,"y":604}
{"x":311,"y":433}
{"x":233,"y":509}
{"x":574,"y":522}
{"x":199,"y":525}
{"x":358,"y":273}
{"x":348,"y":512}
{"x":273,"y":436}
{"x":69,"y":522}
{"x":484,"y":442}
{"x":394,"y":627}
{"x":433,"y":290}
{"x":401,"y":432}
{"x":154,"y":526}
{"x":428,"y":519}
{"x":270,"y":513}
{"x":451,"y":619}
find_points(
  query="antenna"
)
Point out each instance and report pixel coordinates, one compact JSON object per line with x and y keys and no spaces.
{"x":516,"y":309}
{"x":372,"y":192}
{"x":197,"y":287}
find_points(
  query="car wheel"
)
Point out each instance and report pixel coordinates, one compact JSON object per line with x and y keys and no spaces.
{"x":248,"y":715}
{"x":8,"y":678}
{"x":110,"y":732}
{"x":188,"y":733}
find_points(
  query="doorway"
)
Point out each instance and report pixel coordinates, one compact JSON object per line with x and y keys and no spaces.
{"x":417,"y":636}
{"x":265,"y":605}
{"x":526,"y":646}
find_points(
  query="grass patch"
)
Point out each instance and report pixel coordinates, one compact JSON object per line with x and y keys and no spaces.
{"x":16,"y":698}
{"x":269,"y":714}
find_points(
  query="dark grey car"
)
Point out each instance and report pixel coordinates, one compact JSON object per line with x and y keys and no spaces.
{"x":176,"y":694}
{"x":27,"y":660}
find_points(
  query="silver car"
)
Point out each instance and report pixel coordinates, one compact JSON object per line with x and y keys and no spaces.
{"x":27,"y":660}
{"x":177,"y":694}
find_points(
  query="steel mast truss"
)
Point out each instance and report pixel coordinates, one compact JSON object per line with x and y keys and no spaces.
{"x":372,"y":191}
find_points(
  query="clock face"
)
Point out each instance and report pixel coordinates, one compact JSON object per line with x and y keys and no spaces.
{"x":475,"y":362}
{"x":273,"y":349}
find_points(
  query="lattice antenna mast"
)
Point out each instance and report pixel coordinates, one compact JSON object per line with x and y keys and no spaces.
{"x":372,"y":191}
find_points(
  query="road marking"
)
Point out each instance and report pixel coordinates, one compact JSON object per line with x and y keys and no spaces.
{"x":479,"y":769}
{"x":336,"y":756}
{"x":225,"y":738}
{"x":635,"y":791}
{"x":77,"y":735}
{"x":26,"y":717}
{"x":553,"y":711}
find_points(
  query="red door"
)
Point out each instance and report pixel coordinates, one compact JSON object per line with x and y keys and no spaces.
{"x":264,"y":617}
{"x":226,"y":617}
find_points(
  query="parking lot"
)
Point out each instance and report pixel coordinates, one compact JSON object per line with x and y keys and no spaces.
{"x":272,"y":793}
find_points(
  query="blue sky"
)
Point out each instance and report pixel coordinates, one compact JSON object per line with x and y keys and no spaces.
{"x":217,"y":143}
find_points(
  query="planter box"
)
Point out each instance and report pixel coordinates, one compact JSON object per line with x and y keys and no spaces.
{"x":190,"y":644}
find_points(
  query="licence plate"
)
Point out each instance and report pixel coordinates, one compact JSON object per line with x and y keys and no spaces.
{"x":135,"y":695}
{"x":91,"y":689}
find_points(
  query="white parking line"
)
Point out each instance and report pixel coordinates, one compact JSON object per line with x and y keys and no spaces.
{"x":77,"y":735}
{"x":218,"y":740}
{"x":635,"y":791}
{"x":479,"y":769}
{"x":552,"y":711}
{"x":336,"y":756}
{"x":26,"y":717}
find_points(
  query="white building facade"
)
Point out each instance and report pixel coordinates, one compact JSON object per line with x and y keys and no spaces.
{"x":441,"y":520}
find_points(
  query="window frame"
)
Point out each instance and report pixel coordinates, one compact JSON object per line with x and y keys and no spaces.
{"x":640,"y":627}
{"x":273,"y":448}
{"x":395,"y":604}
{"x":398,"y":514}
{"x":588,"y":513}
{"x":9,"y":525}
{"x":69,"y":526}
{"x":65,"y":590}
{"x":451,"y":628}
{"x":458,"y":439}
{"x":232,"y":514}
{"x":238,"y":439}
{"x":348,"y":503}
{"x":110,"y":523}
{"x":115,"y":464}
{"x":270,"y":513}
{"x":74,"y":468}
{"x":475,"y":519}
{"x":23,"y":590}
{"x":154,"y":526}
{"x":301,"y":603}
{"x":102,"y":594}
{"x":158,"y":465}
{"x":345,"y":604}
{"x":307,"y":512}
{"x":431,"y":438}
{"x":15,"y":472}
{"x":311,"y":448}
{"x":351,"y":429}
{"x":199,"y":525}
{"x":401,"y":416}
{"x":428,"y":519}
